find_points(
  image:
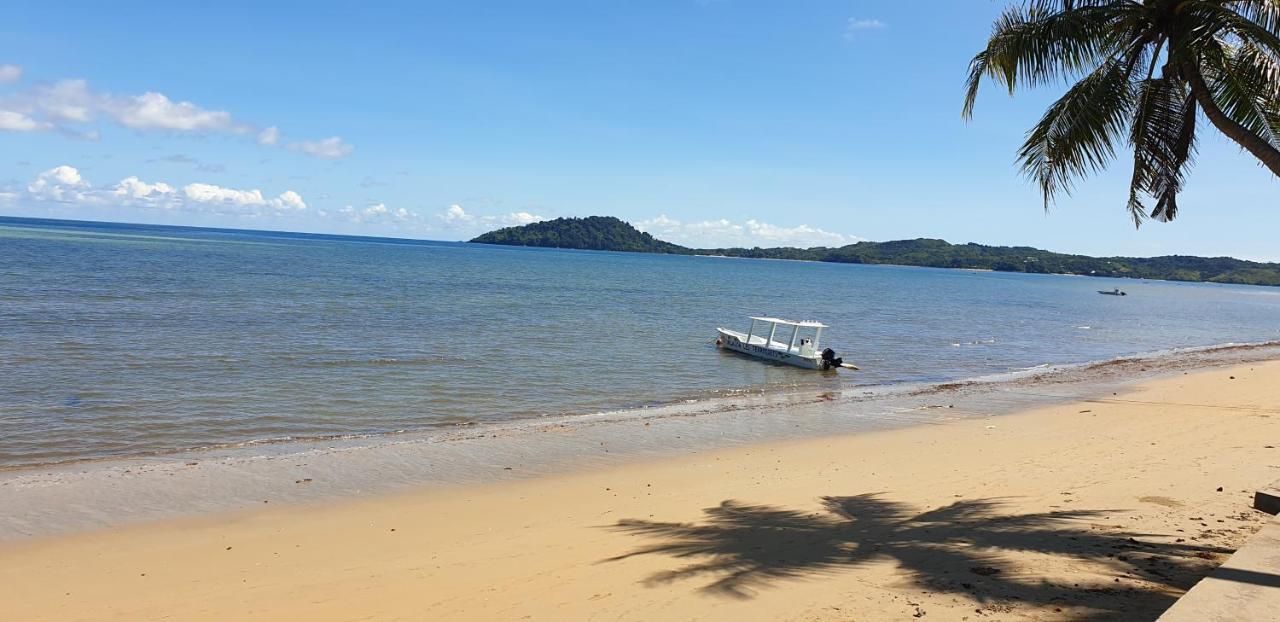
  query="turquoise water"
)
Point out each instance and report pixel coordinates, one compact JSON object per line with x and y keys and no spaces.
{"x":127,"y":339}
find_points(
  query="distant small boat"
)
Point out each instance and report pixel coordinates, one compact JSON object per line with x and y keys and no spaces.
{"x":1114,"y":292}
{"x":799,"y":349}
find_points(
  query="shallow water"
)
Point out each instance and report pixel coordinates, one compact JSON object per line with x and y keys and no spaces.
{"x":126,"y":340}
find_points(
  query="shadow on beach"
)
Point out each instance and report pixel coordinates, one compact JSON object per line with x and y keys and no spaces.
{"x":963,"y":549}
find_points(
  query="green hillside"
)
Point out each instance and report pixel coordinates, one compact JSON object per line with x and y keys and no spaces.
{"x":611,"y":234}
{"x":600,"y":233}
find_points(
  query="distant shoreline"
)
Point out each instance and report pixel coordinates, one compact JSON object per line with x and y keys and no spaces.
{"x":884,"y":264}
{"x":26,"y":221}
{"x":607,"y":233}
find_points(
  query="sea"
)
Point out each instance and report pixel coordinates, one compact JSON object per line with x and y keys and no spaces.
{"x":123,"y":340}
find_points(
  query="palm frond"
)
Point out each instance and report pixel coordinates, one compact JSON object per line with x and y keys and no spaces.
{"x":1163,"y":141}
{"x":1043,"y":41}
{"x":1150,"y":122}
{"x":1264,"y":13}
{"x":1245,"y":83}
{"x":1077,"y":134}
{"x":1214,"y":21}
{"x":1172,"y":176}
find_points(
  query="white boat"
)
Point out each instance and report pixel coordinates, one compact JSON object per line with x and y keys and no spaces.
{"x":783,"y":341}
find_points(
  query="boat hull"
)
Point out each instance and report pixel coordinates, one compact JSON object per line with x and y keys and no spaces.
{"x":733,"y":340}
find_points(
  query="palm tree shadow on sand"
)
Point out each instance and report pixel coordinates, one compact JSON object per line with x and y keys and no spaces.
{"x":960,"y":549}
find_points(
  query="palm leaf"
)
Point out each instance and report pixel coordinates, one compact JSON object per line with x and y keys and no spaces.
{"x":1078,"y":133}
{"x":1044,"y":41}
{"x":1163,"y":141}
{"x":1170,"y":177}
{"x":1264,"y":13}
{"x":1151,"y":123}
{"x":1212,"y":21}
{"x":1245,"y":83}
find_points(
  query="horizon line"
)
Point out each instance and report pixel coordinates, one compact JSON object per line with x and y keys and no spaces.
{"x":400,"y":240}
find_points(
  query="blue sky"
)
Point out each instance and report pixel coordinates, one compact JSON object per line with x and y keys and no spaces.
{"x":707,"y":122}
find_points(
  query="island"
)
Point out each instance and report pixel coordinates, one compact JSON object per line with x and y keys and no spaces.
{"x":607,"y":233}
{"x":597,"y":233}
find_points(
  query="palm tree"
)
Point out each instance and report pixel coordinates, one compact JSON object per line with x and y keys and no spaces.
{"x":1146,"y":70}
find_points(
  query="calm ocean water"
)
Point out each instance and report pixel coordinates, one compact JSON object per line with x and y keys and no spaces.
{"x":126,"y":339}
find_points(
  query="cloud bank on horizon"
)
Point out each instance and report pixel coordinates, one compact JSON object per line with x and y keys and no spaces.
{"x":723,"y":233}
{"x":64,"y":185}
{"x":62,"y":189}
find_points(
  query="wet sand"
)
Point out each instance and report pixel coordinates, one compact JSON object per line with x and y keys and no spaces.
{"x":1102,"y":508}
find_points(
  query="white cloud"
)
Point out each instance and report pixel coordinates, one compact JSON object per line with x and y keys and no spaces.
{"x":17,"y":122}
{"x":60,"y":183}
{"x":69,"y":105}
{"x":455,"y":217}
{"x":65,"y":185}
{"x":269,"y":136}
{"x":332,"y":147}
{"x":65,"y":101}
{"x":455,"y":214}
{"x":380,"y":213}
{"x":59,"y":175}
{"x":521,"y":218}
{"x":155,"y":111}
{"x":723,"y":233}
{"x":10,"y":74}
{"x":856,"y":25}
{"x":210,"y":193}
{"x":799,"y":234}
{"x":134,"y":188}
{"x":291,"y":200}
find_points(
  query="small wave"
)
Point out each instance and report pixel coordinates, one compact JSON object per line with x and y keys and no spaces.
{"x":390,"y":361}
{"x":975,"y":342}
{"x":726,"y":400}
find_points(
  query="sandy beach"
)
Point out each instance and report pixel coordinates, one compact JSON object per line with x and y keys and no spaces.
{"x":1106,"y":508}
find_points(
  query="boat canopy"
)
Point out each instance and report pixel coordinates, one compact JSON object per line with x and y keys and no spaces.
{"x":803,"y":324}
{"x":807,"y":346}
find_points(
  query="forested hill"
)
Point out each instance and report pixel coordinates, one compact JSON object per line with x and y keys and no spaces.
{"x":600,"y":233}
{"x":608,"y":233}
{"x":941,"y":254}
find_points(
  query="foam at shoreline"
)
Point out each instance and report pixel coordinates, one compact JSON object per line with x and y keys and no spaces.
{"x":51,"y":499}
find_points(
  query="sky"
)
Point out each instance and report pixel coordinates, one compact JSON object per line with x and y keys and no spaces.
{"x":705,"y":122}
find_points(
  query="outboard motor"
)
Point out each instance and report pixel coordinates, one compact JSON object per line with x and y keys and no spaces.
{"x":829,"y":360}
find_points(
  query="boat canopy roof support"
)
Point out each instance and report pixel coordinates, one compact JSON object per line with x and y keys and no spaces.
{"x":804,"y":324}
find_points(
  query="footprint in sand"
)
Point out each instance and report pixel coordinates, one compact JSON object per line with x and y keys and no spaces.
{"x":1165,"y":501}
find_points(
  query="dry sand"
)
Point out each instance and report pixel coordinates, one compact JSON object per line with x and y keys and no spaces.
{"x":1105,"y":509}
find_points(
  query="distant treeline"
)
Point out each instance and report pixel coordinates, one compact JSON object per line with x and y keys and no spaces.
{"x":612,"y":234}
